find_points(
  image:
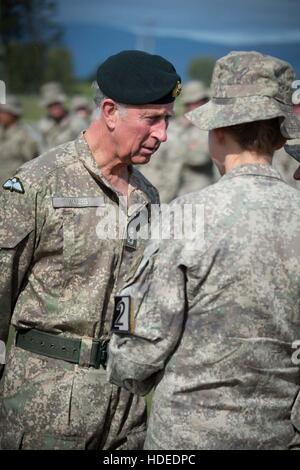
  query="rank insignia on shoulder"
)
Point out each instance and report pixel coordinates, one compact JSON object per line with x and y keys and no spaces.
{"x":122,"y":321}
{"x":14,"y":184}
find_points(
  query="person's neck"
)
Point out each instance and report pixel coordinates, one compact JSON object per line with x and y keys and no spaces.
{"x":112,"y":169}
{"x":59,"y":119}
{"x":233,"y":160}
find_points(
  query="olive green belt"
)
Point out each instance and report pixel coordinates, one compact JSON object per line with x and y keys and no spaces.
{"x":61,"y":347}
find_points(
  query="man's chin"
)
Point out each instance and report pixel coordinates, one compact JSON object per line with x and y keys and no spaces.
{"x":140,"y":159}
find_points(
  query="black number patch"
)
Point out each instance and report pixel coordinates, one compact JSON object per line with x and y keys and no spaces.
{"x":121,"y":321}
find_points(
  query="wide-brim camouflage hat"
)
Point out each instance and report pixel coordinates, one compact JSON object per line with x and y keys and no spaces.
{"x":52,"y":98}
{"x":247,"y":87}
{"x":12,"y":105}
{"x":78,"y":102}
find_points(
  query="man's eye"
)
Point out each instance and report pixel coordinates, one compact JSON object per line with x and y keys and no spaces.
{"x":152,"y":120}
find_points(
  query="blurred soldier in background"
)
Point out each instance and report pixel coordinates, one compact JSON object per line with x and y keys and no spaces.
{"x":198,"y":170}
{"x":182,"y":164}
{"x":81,"y":106}
{"x":16,"y":144}
{"x":58,"y":126}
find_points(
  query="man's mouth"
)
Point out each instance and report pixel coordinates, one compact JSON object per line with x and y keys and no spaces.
{"x":148,"y":150}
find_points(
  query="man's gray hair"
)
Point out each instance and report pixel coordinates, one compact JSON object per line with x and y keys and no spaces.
{"x":100,"y":97}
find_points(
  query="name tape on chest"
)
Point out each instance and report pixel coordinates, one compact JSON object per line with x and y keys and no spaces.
{"x":60,"y":202}
{"x":123,"y":318}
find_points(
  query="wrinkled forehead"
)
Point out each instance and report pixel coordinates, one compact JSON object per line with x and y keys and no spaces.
{"x":153,"y":109}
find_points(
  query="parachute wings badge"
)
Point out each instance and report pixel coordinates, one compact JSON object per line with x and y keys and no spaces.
{"x":14,"y":184}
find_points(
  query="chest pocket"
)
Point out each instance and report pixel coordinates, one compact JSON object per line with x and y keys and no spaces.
{"x":80,"y":217}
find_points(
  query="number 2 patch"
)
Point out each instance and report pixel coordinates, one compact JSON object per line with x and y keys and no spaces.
{"x":122,"y":321}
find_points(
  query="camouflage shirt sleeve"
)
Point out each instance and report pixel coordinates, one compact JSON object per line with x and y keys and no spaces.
{"x":17,"y":238}
{"x":157,"y":295}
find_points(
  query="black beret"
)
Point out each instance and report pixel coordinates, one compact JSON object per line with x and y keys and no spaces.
{"x":136,"y":77}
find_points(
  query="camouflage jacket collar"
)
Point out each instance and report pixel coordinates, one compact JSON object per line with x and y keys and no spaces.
{"x":86,"y":157}
{"x":254,"y":170}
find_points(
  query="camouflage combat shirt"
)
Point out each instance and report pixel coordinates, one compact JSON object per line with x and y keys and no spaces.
{"x":214,"y":321}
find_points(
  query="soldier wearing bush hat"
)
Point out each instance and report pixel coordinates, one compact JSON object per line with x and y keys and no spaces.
{"x":17,"y":146}
{"x":195,"y":91}
{"x":64,"y":255}
{"x":213,"y":315}
{"x":56,"y":127}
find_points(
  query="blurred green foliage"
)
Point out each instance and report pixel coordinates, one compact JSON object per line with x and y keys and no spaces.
{"x":31,"y":51}
{"x":201,"y":68}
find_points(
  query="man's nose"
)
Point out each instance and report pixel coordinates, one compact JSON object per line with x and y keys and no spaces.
{"x":160,"y":132}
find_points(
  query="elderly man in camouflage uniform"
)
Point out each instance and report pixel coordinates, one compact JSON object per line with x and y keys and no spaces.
{"x":59,"y":126}
{"x":16,"y":144}
{"x":212,"y":318}
{"x":62,"y":260}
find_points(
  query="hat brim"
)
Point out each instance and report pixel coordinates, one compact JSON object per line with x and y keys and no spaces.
{"x":61,"y":99}
{"x":233,"y":111}
{"x":16,"y":111}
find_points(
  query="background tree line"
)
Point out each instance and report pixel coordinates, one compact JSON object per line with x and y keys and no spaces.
{"x":31,"y":50}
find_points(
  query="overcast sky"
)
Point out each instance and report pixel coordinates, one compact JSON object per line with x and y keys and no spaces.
{"x":217,"y":21}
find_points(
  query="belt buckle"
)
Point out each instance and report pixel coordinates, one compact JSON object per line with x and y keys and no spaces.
{"x":99,"y":353}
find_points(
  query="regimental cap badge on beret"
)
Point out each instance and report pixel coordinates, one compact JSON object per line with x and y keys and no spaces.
{"x":177,"y":89}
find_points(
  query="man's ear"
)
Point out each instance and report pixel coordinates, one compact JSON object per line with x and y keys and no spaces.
{"x":109,"y":113}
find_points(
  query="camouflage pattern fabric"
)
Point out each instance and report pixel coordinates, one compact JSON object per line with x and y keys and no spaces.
{"x":214,"y":322}
{"x":58,"y":275}
{"x":16,"y":148}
